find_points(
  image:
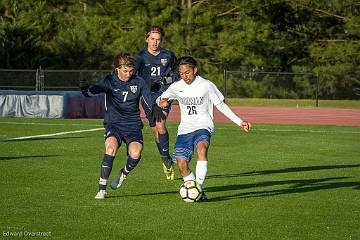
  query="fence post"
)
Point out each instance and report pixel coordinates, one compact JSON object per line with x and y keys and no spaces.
{"x":225,"y":84}
{"x":317,"y":89}
{"x":37,"y":79}
{"x":41,"y":78}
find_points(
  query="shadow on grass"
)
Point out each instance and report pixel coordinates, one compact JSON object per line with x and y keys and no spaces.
{"x":295,"y":186}
{"x":143,"y":194}
{"x":286,"y":186}
{"x":25,"y":157}
{"x":285,"y":170}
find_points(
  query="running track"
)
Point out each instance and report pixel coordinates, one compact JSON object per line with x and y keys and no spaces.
{"x":284,"y":115}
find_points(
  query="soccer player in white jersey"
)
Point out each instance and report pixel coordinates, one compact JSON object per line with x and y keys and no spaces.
{"x":196,"y":97}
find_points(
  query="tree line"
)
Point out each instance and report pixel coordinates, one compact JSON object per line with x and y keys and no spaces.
{"x":321,"y":36}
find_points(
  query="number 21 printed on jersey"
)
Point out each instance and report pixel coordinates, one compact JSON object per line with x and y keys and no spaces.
{"x":155,"y":71}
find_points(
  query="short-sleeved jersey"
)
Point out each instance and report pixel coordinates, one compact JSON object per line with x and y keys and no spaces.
{"x":122,"y":100}
{"x":151,"y":67}
{"x":196,"y":101}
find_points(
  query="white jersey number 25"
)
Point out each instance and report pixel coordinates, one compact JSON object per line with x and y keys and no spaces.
{"x":191,"y":110}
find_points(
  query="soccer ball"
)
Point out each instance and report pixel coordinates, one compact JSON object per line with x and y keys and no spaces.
{"x":190,"y":191}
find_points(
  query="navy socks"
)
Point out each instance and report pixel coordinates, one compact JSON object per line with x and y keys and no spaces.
{"x":130,"y":165}
{"x":163,"y":147}
{"x":106,"y":167}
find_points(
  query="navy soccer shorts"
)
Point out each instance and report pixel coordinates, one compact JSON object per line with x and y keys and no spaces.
{"x":123,"y":135}
{"x":149,"y":114}
{"x":187,"y":143}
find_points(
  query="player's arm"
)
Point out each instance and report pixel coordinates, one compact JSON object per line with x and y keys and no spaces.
{"x":148,"y":96}
{"x":97,"y":88}
{"x":224,"y":108}
{"x":84,"y":87}
{"x":171,"y":74}
{"x":218,"y":99}
{"x":150,"y":101}
{"x":162,"y":102}
{"x":165,"y":98}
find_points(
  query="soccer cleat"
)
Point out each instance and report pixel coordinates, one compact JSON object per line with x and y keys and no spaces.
{"x":203,"y":196}
{"x":101,"y":194}
{"x":116,"y":183}
{"x":169,"y":172}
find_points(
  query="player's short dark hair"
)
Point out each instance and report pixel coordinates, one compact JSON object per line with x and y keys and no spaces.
{"x":124,"y":59}
{"x":187,"y":60}
{"x":154,"y":29}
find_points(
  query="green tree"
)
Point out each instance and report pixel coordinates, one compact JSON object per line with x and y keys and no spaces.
{"x":256,"y":35}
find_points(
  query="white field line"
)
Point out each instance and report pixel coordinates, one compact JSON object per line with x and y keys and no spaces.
{"x":49,"y":124}
{"x":50,"y":135}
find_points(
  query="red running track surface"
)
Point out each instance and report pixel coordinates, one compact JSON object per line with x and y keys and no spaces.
{"x":285,"y":115}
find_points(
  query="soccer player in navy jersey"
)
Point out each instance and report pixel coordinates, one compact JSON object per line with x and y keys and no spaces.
{"x":122,"y":121}
{"x":156,"y":66}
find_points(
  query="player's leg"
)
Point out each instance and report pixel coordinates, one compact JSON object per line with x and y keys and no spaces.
{"x":202,"y":162}
{"x":202,"y":166}
{"x":161,"y":137}
{"x":111,"y":146}
{"x":134,"y":142}
{"x":184,"y":169}
{"x":162,"y":141}
{"x":134,"y":156}
{"x":183,"y":151}
{"x":202,"y":143}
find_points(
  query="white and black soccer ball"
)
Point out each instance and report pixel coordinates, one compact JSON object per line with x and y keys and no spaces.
{"x":190,"y":191}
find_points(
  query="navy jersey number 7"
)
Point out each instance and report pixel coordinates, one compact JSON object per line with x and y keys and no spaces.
{"x":122,"y":100}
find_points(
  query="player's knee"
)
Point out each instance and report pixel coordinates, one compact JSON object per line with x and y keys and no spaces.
{"x":155,"y":132}
{"x":161,"y":127}
{"x":135,"y":151}
{"x":202,"y":152}
{"x":111,"y":146}
{"x":110,"y":150}
{"x":182,"y":164}
{"x":135,"y":155}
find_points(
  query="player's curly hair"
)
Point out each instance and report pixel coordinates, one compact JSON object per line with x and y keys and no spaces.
{"x":154,"y":29}
{"x":187,"y":60}
{"x":124,"y":59}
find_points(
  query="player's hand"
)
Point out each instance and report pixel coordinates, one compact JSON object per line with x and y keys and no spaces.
{"x":83,"y":85}
{"x":164,"y":102}
{"x":158,"y":113}
{"x":166,"y":80}
{"x":246,"y":126}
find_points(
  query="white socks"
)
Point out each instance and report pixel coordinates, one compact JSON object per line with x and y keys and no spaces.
{"x":201,"y":170}
{"x":191,"y":176}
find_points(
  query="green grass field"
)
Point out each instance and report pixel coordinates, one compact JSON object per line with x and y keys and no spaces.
{"x":277,"y":182}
